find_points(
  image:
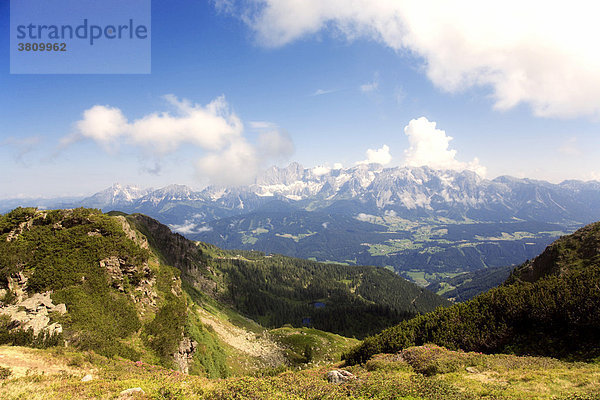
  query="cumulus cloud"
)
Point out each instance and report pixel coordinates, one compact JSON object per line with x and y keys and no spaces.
{"x":431,"y":147}
{"x":275,"y":145}
{"x":540,"y":53}
{"x":378,"y":156}
{"x":238,"y":164}
{"x":216,"y":130}
{"x":211,"y":127}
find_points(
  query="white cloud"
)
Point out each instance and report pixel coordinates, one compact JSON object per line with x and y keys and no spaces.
{"x":186,"y":228}
{"x":189,"y":227}
{"x":211,"y":127}
{"x":320,"y":170}
{"x":275,"y":145}
{"x":378,"y":156}
{"x":214,"y":128}
{"x":103,"y":124}
{"x":536,"y":52}
{"x":338,"y":165}
{"x":236,"y":165}
{"x":365,"y":217}
{"x":430,"y":146}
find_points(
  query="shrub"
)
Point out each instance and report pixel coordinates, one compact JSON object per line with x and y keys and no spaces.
{"x":5,"y":372}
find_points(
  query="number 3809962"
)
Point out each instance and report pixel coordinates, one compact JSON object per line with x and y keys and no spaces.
{"x":42,"y":47}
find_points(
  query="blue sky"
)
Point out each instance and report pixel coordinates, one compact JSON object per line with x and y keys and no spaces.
{"x":320,"y":87}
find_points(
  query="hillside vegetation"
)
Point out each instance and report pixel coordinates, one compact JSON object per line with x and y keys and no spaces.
{"x":418,"y":373}
{"x":275,"y":290}
{"x":138,"y":305}
{"x":548,"y":306}
{"x":120,"y":300}
{"x":126,"y":286}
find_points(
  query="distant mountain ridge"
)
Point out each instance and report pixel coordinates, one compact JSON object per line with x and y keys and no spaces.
{"x":416,"y":191}
{"x":415,"y":220}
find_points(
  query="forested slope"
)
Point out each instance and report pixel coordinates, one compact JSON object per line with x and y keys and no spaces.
{"x":276,"y":290}
{"x":549,"y":306}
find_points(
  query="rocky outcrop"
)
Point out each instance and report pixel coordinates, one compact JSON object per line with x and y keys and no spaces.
{"x":140,"y":240}
{"x":16,"y":284}
{"x":142,"y":278}
{"x":185,"y":353}
{"x":23,"y":226}
{"x":180,"y":253}
{"x":34,"y":313}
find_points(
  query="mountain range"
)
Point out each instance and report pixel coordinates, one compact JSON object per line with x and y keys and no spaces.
{"x":423,"y":223}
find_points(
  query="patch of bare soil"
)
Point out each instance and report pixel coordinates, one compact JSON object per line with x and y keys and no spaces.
{"x":258,"y":346}
{"x":24,"y":361}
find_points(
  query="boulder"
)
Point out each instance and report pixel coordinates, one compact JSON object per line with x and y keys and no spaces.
{"x":61,"y":308}
{"x":339,"y":376}
{"x":37,"y":323}
{"x":131,"y":393}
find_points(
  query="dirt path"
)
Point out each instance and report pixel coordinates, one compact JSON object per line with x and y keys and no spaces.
{"x":24,"y":361}
{"x":247,"y":342}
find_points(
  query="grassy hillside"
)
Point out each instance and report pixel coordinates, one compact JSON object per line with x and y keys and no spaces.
{"x":311,"y":346}
{"x":135,"y":294}
{"x":575,"y":252}
{"x":275,"y":290}
{"x":120,"y":299}
{"x":132,"y":289}
{"x":419,"y":373}
{"x":548,"y":307}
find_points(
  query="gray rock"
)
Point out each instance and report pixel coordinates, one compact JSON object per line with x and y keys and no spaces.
{"x":87,"y":378}
{"x":184,"y":355}
{"x":32,"y":312}
{"x":61,"y":308}
{"x":54,"y":328}
{"x":339,"y":376}
{"x":37,"y":302}
{"x":131,"y":392}
{"x":37,"y":323}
